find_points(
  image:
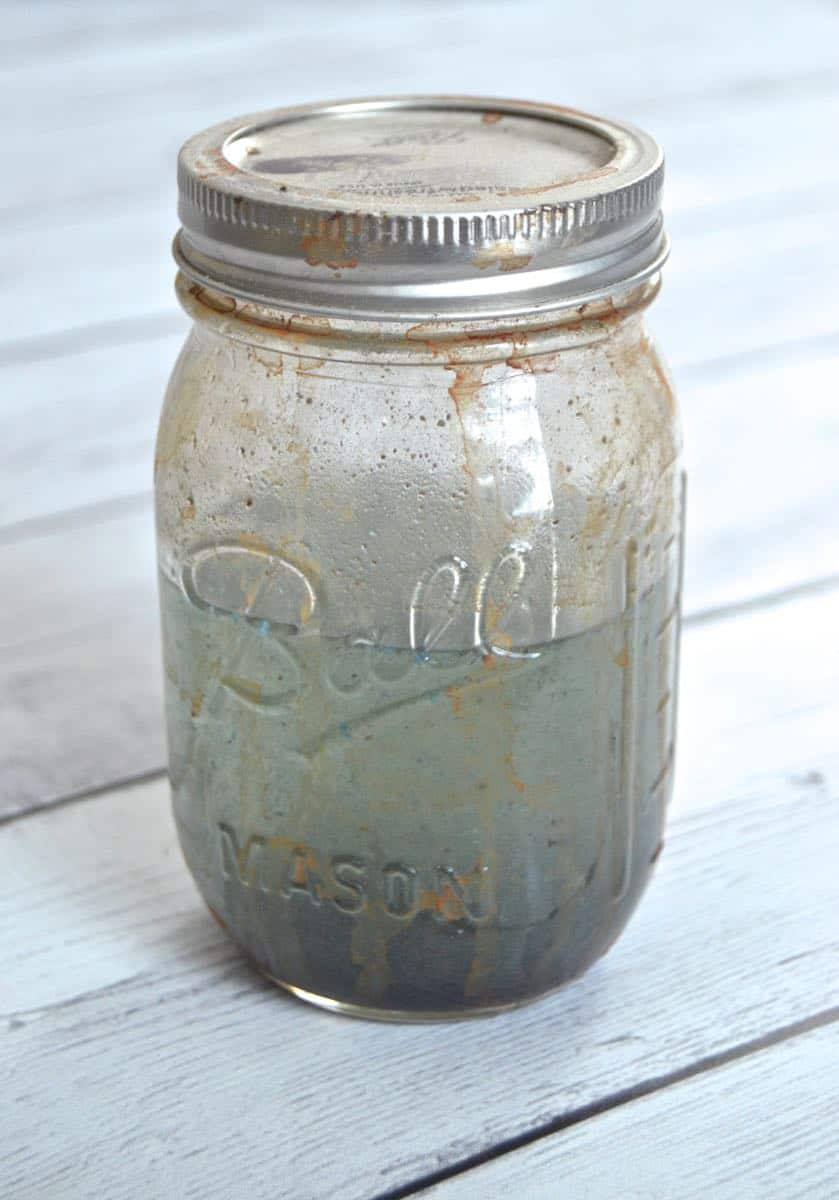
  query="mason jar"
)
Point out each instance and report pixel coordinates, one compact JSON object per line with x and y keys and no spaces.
{"x":419,"y":514}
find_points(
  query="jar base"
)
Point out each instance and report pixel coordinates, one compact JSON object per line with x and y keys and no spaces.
{"x":396,"y":1015}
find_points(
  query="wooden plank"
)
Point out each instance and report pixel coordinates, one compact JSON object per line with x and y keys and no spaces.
{"x":79,"y":429}
{"x":760,"y":41}
{"x":52,"y":33}
{"x":80,"y":691}
{"x":241,"y":1091}
{"x":760,"y":437}
{"x":763,"y":1128}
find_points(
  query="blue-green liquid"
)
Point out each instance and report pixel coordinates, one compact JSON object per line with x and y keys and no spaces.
{"x":412,"y":833}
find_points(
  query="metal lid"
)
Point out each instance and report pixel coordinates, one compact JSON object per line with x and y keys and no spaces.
{"x":420,"y":207}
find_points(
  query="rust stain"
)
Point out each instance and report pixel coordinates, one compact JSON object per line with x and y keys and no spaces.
{"x":446,"y":903}
{"x":498,"y":639}
{"x":622,"y":659}
{"x":196,"y":703}
{"x":306,"y":869}
{"x":486,"y":939}
{"x":491,"y":118}
{"x":493,"y":680}
{"x":454,"y":695}
{"x":512,"y":777}
{"x":246,"y":420}
{"x":597,"y":517}
{"x":249,"y":688}
{"x":300,"y":875}
{"x":302,"y":327}
{"x":187,"y":512}
{"x":526,"y":354}
{"x":301,"y":452}
{"x":603,"y":312}
{"x":368,"y":951}
{"x":310,"y":366}
{"x":504,"y":255}
{"x":467,"y":383}
{"x":180,"y":422}
{"x":328,"y":249}
{"x":598,"y":173}
{"x":212,"y":164}
{"x":217,"y":301}
{"x":281,"y":841}
{"x":298,"y":555}
{"x":493,"y":613}
{"x":536,"y":364}
{"x":468,"y":198}
{"x":321,"y":253}
{"x":661,"y":373}
{"x":252,"y":541}
{"x":272,"y":365}
{"x":463,"y":390}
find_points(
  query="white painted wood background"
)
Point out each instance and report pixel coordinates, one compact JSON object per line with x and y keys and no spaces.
{"x":139,"y":1057}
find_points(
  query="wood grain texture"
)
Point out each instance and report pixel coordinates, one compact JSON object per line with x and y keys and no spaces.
{"x":141,"y":1057}
{"x":760,"y":1127}
{"x":80,"y":664}
{"x":79,"y":430}
{"x":132,"y":1025}
{"x":100,"y":51}
{"x":147,"y":92}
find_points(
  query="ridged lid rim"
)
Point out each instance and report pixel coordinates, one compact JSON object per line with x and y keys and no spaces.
{"x":278,"y":243}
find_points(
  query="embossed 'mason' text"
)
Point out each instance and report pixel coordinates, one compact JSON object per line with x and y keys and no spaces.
{"x":354,"y":883}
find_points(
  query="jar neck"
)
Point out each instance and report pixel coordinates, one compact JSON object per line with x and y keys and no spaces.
{"x":305,"y":335}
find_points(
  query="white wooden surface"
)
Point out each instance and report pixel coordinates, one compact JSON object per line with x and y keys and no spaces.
{"x":140,"y":1057}
{"x":752,"y":1135}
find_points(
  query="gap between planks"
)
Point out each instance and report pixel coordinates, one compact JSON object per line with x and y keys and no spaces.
{"x":619,"y":1099}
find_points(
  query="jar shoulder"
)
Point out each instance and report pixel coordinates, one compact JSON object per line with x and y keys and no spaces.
{"x":379,"y":481}
{"x":618,"y":390}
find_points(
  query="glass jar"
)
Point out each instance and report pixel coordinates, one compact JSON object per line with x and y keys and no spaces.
{"x":419,"y":516}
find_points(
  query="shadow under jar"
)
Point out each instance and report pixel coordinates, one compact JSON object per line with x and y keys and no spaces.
{"x":419,"y":514}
